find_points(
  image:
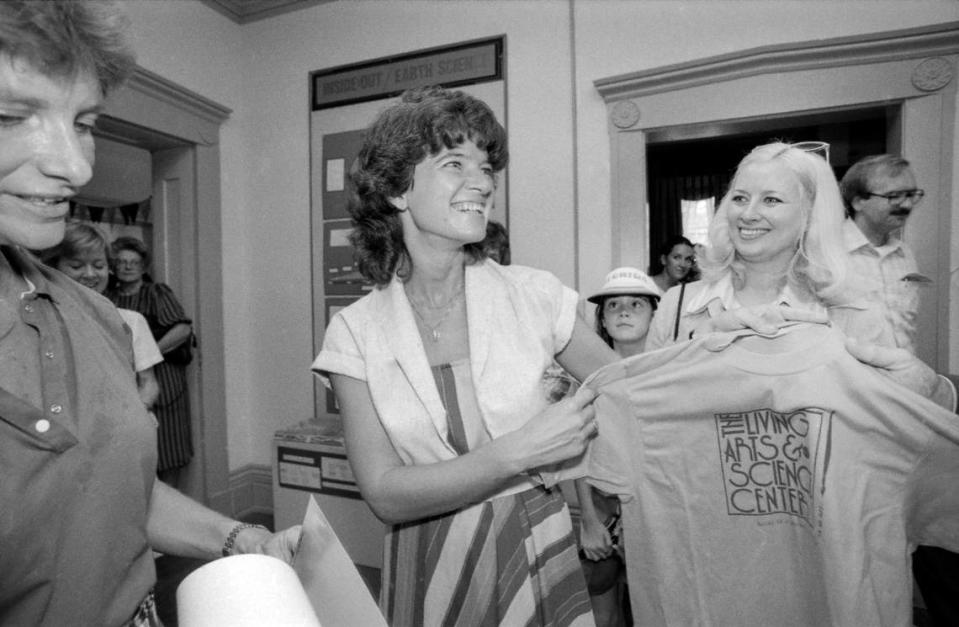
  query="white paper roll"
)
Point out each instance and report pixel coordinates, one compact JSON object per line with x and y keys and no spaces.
{"x":244,"y":591}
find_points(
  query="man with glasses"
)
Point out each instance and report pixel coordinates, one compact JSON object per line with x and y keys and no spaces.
{"x":880,"y":192}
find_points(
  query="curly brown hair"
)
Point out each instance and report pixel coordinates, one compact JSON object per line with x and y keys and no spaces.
{"x":63,"y":38}
{"x":424,"y":122}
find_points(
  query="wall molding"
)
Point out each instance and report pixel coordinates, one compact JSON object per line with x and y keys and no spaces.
{"x":251,"y":490}
{"x":927,"y":41}
{"x":161,"y":105}
{"x":153,"y":84}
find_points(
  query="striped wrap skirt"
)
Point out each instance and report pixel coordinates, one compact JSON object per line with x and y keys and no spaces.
{"x":510,"y":561}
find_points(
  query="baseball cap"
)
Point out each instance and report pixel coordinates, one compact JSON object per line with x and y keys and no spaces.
{"x":626,"y":281}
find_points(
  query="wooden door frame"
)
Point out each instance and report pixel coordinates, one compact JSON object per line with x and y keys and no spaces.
{"x":163,"y":116}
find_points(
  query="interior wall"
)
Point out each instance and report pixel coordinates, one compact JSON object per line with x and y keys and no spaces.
{"x":260,"y":71}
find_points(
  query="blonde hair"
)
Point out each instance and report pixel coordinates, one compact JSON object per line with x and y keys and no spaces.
{"x":819,"y":263}
{"x":78,"y":239}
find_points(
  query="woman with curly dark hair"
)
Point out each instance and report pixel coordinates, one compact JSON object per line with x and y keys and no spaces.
{"x":438,"y":373}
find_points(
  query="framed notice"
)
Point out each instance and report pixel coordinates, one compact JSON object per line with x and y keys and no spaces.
{"x":313,"y":470}
{"x":449,"y":66}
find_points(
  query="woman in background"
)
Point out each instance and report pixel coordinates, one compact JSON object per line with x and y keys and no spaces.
{"x":439,"y":376}
{"x":83,"y":255}
{"x":173,"y":333}
{"x":676,"y":264}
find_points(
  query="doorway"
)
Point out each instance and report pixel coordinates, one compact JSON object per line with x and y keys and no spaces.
{"x":686,"y":164}
{"x":141,"y":186}
{"x":908,"y":74}
{"x":180,"y":131}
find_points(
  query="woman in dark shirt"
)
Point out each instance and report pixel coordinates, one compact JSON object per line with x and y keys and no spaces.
{"x":173,"y":333}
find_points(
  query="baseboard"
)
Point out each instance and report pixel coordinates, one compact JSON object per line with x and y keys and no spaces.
{"x":251,"y":491}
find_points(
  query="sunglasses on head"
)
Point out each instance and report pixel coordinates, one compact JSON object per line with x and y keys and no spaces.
{"x":818,"y":148}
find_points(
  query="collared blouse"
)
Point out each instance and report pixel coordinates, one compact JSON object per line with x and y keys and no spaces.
{"x":518,"y":319}
{"x":703,"y":301}
{"x":77,"y":455}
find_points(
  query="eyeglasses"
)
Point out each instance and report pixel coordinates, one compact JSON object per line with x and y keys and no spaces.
{"x":128,"y":263}
{"x":896,"y":198}
{"x":819,"y":148}
{"x":633,"y":305}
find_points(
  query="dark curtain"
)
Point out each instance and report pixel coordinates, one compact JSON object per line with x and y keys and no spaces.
{"x":665,"y":208}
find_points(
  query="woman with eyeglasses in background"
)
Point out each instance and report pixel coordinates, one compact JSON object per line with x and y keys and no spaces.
{"x":173,"y":333}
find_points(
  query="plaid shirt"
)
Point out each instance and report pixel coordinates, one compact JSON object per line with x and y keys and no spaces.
{"x":890,"y":279}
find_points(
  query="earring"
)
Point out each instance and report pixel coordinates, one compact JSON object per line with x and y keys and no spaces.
{"x":397,"y":201}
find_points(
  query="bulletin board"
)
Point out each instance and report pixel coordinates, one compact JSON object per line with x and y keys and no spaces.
{"x":343,"y":101}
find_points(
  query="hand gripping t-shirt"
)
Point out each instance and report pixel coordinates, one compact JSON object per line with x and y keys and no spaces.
{"x":772,"y":481}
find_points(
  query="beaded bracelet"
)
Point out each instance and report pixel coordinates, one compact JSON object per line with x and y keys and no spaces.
{"x":230,"y":539}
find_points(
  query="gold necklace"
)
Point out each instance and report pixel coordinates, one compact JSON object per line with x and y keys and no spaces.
{"x":434,"y":329}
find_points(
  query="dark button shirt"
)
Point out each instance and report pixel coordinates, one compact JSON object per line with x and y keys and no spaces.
{"x":77,"y":454}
